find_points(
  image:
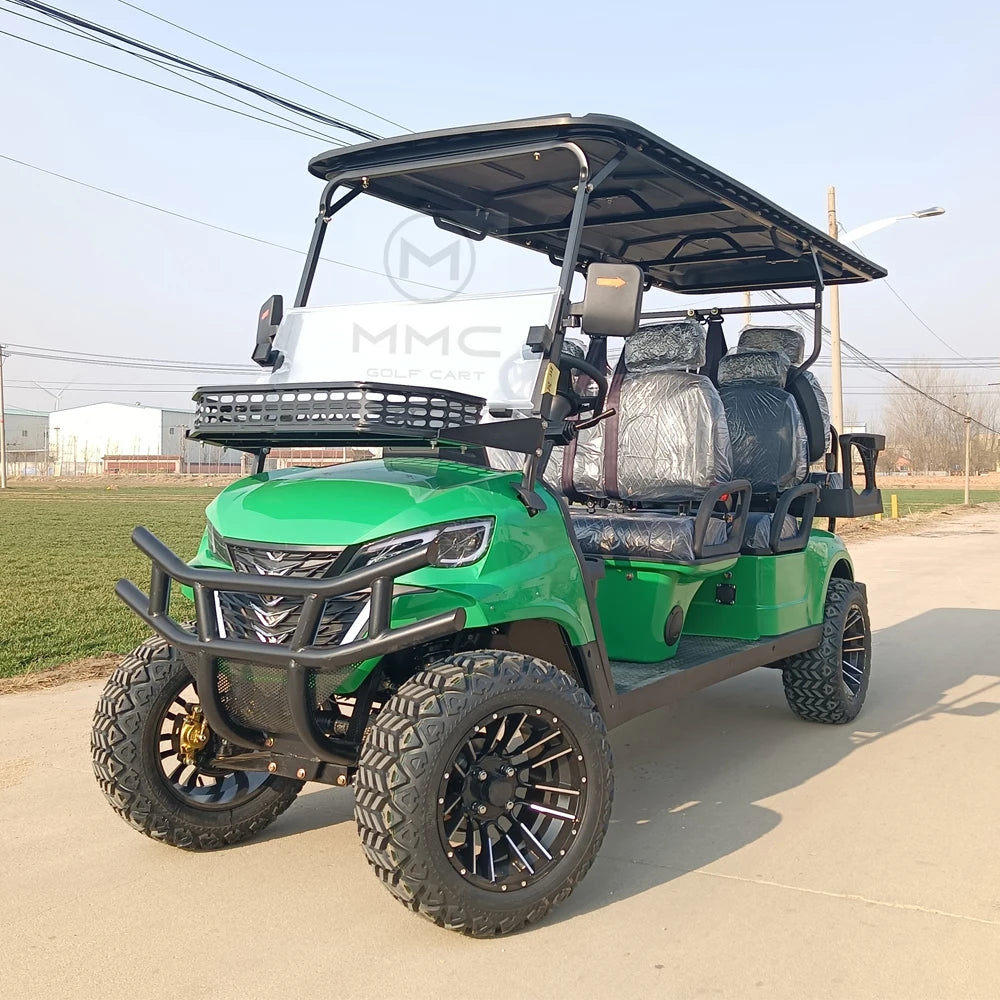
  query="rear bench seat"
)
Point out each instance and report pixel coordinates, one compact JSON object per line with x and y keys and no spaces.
{"x":770,"y":448}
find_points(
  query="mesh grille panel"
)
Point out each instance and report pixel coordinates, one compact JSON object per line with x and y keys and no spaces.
{"x":254,"y":695}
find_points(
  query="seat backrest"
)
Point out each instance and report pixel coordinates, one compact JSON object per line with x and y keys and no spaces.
{"x":804,"y":387}
{"x":669,"y":440}
{"x":768,"y":434}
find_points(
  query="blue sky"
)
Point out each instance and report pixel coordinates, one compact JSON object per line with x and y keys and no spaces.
{"x":896,"y":105}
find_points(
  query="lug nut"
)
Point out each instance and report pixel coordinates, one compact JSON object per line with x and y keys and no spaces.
{"x":510,"y":805}
{"x":509,"y":771}
{"x":272,"y":767}
{"x":300,"y":773}
{"x":481,"y":775}
{"x":478,"y":807}
{"x":341,"y":779}
{"x":269,"y":742}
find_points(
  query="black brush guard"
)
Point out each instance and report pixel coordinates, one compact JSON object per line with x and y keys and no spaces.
{"x":300,"y":658}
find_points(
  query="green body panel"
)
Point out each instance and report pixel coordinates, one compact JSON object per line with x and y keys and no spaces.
{"x":774,"y":594}
{"x":529,"y":570}
{"x":635,"y":597}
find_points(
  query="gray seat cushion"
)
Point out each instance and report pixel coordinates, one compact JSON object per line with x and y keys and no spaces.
{"x":768,"y":435}
{"x":642,"y":534}
{"x":757,"y":538}
{"x":809,"y":395}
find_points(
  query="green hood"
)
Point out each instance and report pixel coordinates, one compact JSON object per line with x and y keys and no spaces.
{"x":359,"y":501}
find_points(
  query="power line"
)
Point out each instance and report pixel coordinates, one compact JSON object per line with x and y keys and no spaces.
{"x":181,"y":62}
{"x":911,"y":311}
{"x":212,"y":225}
{"x":890,"y":392}
{"x":778,"y":298}
{"x":68,"y":355}
{"x":90,"y":384}
{"x":267,"y":66}
{"x":76,"y":33}
{"x":160,"y":86}
{"x":112,"y":363}
{"x":159,"y":64}
{"x":118,"y":387}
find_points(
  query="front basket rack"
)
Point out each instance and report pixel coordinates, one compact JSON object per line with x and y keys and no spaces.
{"x":312,"y":414}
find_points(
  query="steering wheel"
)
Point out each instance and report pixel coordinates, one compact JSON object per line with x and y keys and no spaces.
{"x":579,"y":402}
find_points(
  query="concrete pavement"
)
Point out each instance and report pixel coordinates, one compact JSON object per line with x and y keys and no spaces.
{"x":750,"y":855}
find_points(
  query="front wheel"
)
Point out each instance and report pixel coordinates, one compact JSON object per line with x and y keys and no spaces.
{"x":484,"y":791}
{"x":151,"y":746}
{"x":829,"y":683}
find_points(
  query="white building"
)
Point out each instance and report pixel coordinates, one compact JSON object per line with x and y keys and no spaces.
{"x":118,"y":437}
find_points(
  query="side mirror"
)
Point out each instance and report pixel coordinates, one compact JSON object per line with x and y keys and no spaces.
{"x":268,"y":321}
{"x":612,"y":300}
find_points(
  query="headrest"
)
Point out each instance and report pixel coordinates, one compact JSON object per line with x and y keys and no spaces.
{"x":774,"y":338}
{"x":759,"y":367}
{"x":679,"y":344}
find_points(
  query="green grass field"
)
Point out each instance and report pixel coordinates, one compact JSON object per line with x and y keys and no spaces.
{"x":62,"y":547}
{"x":915,"y":501}
{"x":61,"y":550}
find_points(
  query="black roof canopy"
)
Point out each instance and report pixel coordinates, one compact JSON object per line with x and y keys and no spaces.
{"x":690,"y":227}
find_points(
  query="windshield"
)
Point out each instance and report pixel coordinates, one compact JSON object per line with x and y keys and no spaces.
{"x":472,"y":344}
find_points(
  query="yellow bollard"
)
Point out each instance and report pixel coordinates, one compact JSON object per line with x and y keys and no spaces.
{"x":894,"y":506}
{"x":878,"y":516}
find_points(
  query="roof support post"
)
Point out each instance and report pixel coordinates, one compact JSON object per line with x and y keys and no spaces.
{"x":548,"y":373}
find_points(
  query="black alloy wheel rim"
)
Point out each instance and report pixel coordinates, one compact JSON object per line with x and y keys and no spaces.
{"x":512,"y":799}
{"x":854,"y":652}
{"x":199,"y":785}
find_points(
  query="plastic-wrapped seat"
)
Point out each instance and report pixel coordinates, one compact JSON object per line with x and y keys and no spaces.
{"x":770,"y":446}
{"x":804,"y":386}
{"x":666,"y":454}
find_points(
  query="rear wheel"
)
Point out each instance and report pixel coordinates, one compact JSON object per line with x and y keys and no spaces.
{"x":151,"y":746}
{"x":829,"y":683}
{"x":484,"y":791}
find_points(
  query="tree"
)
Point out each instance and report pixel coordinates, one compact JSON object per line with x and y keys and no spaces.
{"x":932,"y":437}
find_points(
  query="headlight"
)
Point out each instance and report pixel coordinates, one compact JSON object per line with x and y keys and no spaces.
{"x":460,"y":543}
{"x":217,"y":546}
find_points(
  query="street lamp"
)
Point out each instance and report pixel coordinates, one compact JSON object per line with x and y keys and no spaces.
{"x":833,"y":227}
{"x":873,"y":227}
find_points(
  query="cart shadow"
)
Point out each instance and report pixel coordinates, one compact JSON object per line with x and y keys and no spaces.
{"x":690,"y":779}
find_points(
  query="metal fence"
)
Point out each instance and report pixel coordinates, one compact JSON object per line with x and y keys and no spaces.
{"x":34,"y":464}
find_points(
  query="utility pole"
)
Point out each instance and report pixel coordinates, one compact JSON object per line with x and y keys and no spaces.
{"x":968,"y":452}
{"x":837,"y":383}
{"x":3,"y":430}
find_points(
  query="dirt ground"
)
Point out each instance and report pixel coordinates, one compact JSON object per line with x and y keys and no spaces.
{"x":79,"y":670}
{"x":119,"y":482}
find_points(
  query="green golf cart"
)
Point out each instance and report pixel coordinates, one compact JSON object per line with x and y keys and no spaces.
{"x":548,"y":544}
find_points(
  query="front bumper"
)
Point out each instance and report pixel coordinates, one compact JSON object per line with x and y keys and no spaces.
{"x":300,"y":658}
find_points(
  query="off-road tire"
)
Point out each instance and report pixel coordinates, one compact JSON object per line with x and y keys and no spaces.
{"x":124,"y":753}
{"x":403,"y":760}
{"x":814,"y":682}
